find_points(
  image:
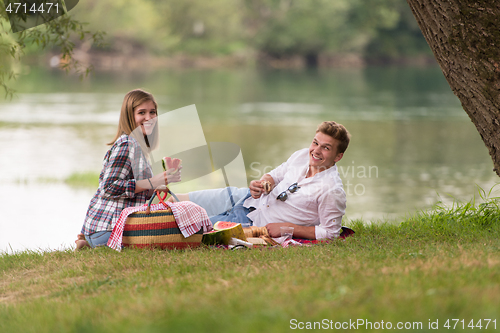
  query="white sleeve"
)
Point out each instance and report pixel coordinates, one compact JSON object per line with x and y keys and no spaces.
{"x":331,"y":209}
{"x":279,"y":173}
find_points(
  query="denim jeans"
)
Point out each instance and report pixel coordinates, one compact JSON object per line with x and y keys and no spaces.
{"x":224,"y":204}
{"x":99,"y":238}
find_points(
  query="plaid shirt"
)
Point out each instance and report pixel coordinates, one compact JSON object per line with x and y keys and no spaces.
{"x":123,"y":164}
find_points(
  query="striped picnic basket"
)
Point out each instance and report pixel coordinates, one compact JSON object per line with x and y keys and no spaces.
{"x":157,"y":229}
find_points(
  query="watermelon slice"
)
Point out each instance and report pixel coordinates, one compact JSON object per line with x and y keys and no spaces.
{"x":223,"y":232}
{"x":169,"y":163}
{"x":221,"y":225}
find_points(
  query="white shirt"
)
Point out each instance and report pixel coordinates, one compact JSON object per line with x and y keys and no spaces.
{"x":320,"y":201}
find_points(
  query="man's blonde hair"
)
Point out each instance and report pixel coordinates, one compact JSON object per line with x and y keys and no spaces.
{"x":336,"y":131}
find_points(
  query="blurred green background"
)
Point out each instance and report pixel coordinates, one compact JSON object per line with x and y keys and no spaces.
{"x":283,"y":32}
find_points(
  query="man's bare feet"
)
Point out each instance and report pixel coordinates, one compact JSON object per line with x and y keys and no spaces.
{"x":81,"y":243}
{"x":181,"y":196}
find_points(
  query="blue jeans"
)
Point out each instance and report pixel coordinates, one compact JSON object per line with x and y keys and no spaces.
{"x":224,"y":204}
{"x":99,"y":238}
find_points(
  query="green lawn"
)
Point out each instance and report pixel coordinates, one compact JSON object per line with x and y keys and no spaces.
{"x":435,"y":266}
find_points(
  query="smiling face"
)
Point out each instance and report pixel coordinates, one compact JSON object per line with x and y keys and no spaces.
{"x":145,"y":117}
{"x":323,"y":153}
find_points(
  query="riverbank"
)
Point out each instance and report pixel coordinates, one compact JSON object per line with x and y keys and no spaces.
{"x":431,"y":268}
{"x":141,"y":61}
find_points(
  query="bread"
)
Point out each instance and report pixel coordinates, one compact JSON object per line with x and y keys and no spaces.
{"x":254,"y":231}
{"x":266,"y":185}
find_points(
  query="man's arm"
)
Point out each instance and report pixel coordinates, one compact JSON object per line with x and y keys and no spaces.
{"x":275,"y":176}
{"x":299,"y":231}
{"x":331,"y":209}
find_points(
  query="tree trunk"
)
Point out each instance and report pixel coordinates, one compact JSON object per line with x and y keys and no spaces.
{"x":465,"y":38}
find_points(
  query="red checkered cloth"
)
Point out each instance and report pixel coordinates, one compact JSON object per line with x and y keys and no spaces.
{"x":190,"y":218}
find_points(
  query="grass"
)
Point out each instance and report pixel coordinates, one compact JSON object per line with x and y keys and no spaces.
{"x":83,"y":179}
{"x":87,"y":179}
{"x":436,"y":265}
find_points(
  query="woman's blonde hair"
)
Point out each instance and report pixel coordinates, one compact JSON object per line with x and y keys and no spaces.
{"x":126,"y":124}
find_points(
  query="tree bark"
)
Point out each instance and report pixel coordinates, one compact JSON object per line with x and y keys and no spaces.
{"x":465,"y":38}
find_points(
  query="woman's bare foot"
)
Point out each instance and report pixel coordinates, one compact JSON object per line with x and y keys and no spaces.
{"x":81,"y":243}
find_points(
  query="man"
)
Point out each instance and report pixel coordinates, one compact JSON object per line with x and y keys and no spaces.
{"x":306,"y":191}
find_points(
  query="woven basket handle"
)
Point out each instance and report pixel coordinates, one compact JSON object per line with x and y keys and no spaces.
{"x":162,"y":200}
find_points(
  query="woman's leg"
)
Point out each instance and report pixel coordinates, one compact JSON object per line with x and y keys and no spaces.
{"x":98,"y":239}
{"x":80,"y":242}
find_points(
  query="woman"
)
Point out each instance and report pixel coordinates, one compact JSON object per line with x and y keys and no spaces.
{"x":126,"y":178}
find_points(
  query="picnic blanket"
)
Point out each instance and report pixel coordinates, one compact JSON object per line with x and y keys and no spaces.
{"x":189,"y":216}
{"x":345,"y":232}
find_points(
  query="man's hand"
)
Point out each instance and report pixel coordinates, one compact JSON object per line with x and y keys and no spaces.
{"x":274,"y":228}
{"x":256,"y":188}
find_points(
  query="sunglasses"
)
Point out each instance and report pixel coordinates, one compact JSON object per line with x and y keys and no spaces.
{"x":292,"y":189}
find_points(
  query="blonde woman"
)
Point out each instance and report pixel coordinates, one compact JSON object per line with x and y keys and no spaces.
{"x":126,"y":178}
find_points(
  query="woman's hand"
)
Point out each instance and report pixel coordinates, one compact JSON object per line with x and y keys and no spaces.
{"x":161,"y":180}
{"x":171,"y":177}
